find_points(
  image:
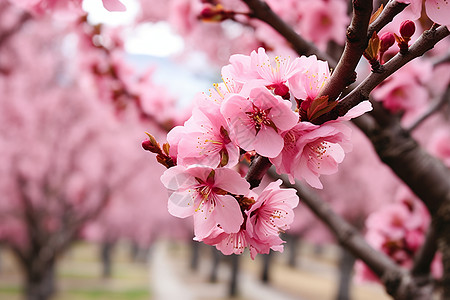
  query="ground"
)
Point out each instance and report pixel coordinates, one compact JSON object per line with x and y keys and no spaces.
{"x":167,"y":276}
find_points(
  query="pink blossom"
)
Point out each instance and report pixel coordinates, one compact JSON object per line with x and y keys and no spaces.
{"x":398,"y":229}
{"x":204,"y":192}
{"x":257,"y":121}
{"x":67,"y":8}
{"x":228,"y":243}
{"x":323,"y":21}
{"x":440,"y":145}
{"x":307,"y":84}
{"x":114,"y":5}
{"x":312,"y":150}
{"x":405,"y":91}
{"x":259,"y":67}
{"x":437,"y":10}
{"x":205,"y":141}
{"x":271,"y":214}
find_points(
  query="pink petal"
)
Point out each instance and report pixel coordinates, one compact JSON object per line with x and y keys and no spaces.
{"x":114,"y":5}
{"x":181,"y":204}
{"x":175,"y":178}
{"x":231,"y":181}
{"x":268,"y":143}
{"x":438,"y":11}
{"x":228,"y":214}
{"x":357,"y":111}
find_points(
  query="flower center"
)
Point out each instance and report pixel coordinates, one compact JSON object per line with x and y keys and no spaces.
{"x":260,"y":117}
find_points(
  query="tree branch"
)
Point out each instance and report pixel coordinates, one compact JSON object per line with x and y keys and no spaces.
{"x":425,"y":42}
{"x":4,"y":36}
{"x":261,"y":11}
{"x":258,"y":168}
{"x":425,"y":255}
{"x":434,"y":107}
{"x":345,"y":233}
{"x":392,"y":9}
{"x":356,"y":43}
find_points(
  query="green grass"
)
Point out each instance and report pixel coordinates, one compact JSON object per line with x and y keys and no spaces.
{"x":79,"y":276}
{"x":101,"y":294}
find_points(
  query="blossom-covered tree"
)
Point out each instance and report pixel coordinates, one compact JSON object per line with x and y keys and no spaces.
{"x":274,"y":108}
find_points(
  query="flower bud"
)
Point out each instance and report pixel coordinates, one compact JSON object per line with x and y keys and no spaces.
{"x":407,"y":29}
{"x":214,"y":13}
{"x":386,"y":41}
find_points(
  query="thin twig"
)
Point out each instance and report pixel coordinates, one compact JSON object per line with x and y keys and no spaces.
{"x":434,"y":107}
{"x":356,"y":43}
{"x":346,"y":234}
{"x":261,"y":11}
{"x":392,"y":9}
{"x":425,"y":255}
{"x":258,"y":168}
{"x":441,"y":60}
{"x":424,"y":43}
{"x":4,"y":36}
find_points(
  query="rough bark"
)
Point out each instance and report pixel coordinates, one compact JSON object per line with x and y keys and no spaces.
{"x":40,"y":279}
{"x":233,"y":288}
{"x":267,"y":262}
{"x":214,"y":265}
{"x":346,"y":263}
{"x":106,"y":252}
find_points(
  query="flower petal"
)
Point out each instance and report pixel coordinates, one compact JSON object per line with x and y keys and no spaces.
{"x":438,"y":11}
{"x":114,"y":5}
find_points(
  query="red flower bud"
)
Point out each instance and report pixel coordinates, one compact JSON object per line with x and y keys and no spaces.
{"x":387,"y":40}
{"x":407,"y":29}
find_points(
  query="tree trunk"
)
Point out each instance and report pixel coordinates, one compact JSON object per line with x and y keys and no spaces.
{"x":40,"y":280}
{"x":134,"y":251}
{"x":195,"y":255}
{"x":106,"y":253}
{"x":293,"y":245}
{"x":214,"y":265}
{"x":234,"y":275}
{"x":267,"y":259}
{"x":443,"y":233}
{"x":346,"y":263}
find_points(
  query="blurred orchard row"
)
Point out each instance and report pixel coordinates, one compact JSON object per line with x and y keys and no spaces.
{"x":77,"y":99}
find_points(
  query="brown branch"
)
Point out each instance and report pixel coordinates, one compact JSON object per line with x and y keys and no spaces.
{"x":258,"y":168}
{"x":441,"y":60}
{"x":347,"y":235}
{"x":425,"y":255}
{"x":4,"y":36}
{"x":261,"y":11}
{"x":356,"y":43}
{"x":425,"y":42}
{"x":392,"y":9}
{"x":434,"y":107}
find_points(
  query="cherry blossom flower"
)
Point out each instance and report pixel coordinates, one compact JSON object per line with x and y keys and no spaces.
{"x":312,"y":150}
{"x":440,"y":145}
{"x":205,"y":193}
{"x":257,"y":121}
{"x":405,"y":91}
{"x":205,"y":141}
{"x":307,"y":84}
{"x":259,"y":66}
{"x":437,"y":10}
{"x":322,"y":21}
{"x":398,"y":229}
{"x":271,"y":214}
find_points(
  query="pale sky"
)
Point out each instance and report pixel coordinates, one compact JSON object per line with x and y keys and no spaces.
{"x":155,"y":39}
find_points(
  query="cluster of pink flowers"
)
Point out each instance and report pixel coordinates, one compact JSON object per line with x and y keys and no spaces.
{"x":41,"y":7}
{"x":264,"y":107}
{"x":398,"y":229}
